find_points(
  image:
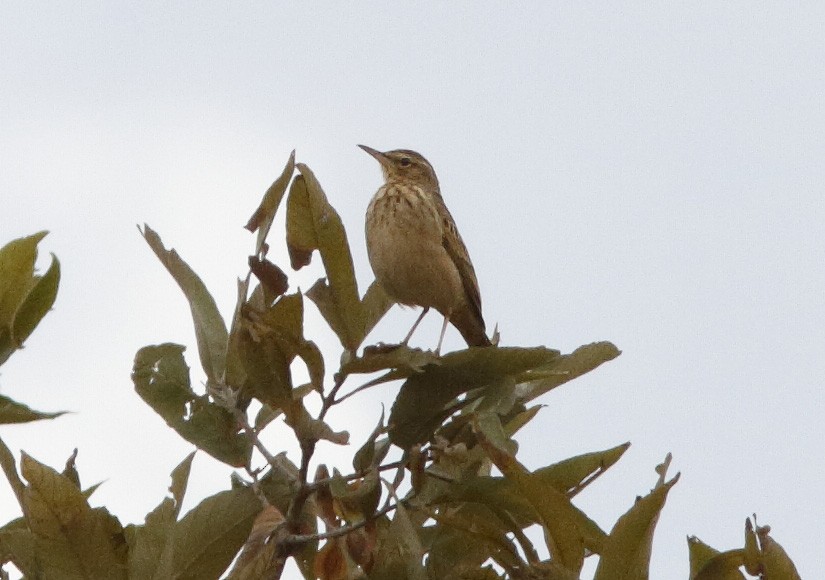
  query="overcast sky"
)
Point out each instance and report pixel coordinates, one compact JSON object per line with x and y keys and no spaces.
{"x":645,"y":173}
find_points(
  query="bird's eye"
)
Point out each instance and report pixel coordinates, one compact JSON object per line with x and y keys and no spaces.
{"x":405,"y":161}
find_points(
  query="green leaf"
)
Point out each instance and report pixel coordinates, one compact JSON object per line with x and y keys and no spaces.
{"x":147,"y":541}
{"x":565,"y":477}
{"x":626,"y":553}
{"x":358,"y":499}
{"x":401,"y":358}
{"x":9,"y":466}
{"x":161,"y":378}
{"x":370,"y":454}
{"x":423,"y":401}
{"x":467,"y":537}
{"x":772,"y":559}
{"x":566,"y":368}
{"x":14,"y":412}
{"x":210,"y":329}
{"x":399,"y":554}
{"x":569,"y":475}
{"x":312,"y":224}
{"x":374,"y":306}
{"x":16,"y":272}
{"x":263,"y":217}
{"x":24,"y":297}
{"x":207,"y":539}
{"x":707,"y":563}
{"x":38,"y":302}
{"x":68,"y":539}
{"x":567,"y":528}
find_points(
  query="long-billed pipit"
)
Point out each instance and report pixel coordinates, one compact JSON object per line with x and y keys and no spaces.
{"x":415,"y":249}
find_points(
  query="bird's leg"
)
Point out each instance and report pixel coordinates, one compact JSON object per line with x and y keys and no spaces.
{"x":441,"y":336}
{"x":414,"y":326}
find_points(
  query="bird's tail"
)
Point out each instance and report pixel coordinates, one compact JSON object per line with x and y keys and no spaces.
{"x":471,"y":327}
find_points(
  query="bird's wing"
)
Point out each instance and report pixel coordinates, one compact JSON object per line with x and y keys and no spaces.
{"x":461,"y":258}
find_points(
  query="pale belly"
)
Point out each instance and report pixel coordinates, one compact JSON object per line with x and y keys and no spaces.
{"x":410,"y":262}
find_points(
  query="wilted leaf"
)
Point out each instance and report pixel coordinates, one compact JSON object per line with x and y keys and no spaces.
{"x":14,"y":412}
{"x":256,"y":559}
{"x":422,"y":403}
{"x":271,"y":276}
{"x":161,"y":378}
{"x":210,"y":329}
{"x":626,"y":552}
{"x":262,"y":219}
{"x":206,"y":540}
{"x":333,"y":562}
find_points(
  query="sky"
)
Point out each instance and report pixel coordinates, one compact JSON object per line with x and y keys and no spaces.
{"x":648,"y":173}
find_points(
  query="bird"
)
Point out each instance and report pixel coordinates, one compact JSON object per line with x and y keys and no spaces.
{"x":415,"y":250}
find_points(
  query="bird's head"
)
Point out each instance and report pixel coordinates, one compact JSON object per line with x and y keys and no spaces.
{"x":405,"y":165}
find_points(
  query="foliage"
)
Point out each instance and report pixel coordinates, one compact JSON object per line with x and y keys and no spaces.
{"x":422,"y":499}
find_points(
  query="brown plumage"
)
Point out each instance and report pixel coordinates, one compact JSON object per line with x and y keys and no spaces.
{"x":415,"y":249}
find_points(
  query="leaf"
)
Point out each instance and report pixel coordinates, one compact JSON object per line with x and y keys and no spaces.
{"x":399,"y":553}
{"x":422,"y":403}
{"x":706,"y":563}
{"x":147,"y":542}
{"x":312,"y":224}
{"x":256,"y":559}
{"x":401,"y":358}
{"x":9,"y":466}
{"x":161,"y":378}
{"x":357,"y":499}
{"x":38,"y":302}
{"x":67,"y":539}
{"x":770,"y":561}
{"x":569,"y":475}
{"x":271,"y":276}
{"x":14,"y":412}
{"x":626,"y":552}
{"x":567,"y":529}
{"x":206,"y":540}
{"x":564,"y":476}
{"x":210,"y":329}
{"x":374,"y":306}
{"x":370,"y":454}
{"x":566,"y":368}
{"x":17,"y":260}
{"x":263,"y":217}
{"x":24,"y":297}
{"x":467,"y":537}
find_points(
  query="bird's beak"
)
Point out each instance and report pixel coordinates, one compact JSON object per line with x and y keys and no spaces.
{"x":382,"y":159}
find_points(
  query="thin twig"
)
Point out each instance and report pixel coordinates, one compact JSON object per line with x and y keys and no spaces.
{"x":313,"y":486}
{"x":297,"y":539}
